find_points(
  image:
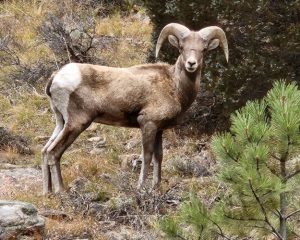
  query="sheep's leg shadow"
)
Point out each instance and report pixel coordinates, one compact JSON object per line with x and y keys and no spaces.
{"x":149,"y":131}
{"x":157,"y":160}
{"x":47,"y":184}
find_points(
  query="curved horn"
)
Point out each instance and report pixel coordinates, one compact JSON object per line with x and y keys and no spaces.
{"x":209,"y":33}
{"x":176,"y":29}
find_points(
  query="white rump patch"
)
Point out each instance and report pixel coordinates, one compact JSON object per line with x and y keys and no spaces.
{"x":68,"y":78}
{"x":64,"y":83}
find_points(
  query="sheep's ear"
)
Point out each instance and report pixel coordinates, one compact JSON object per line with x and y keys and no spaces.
{"x":173,"y":40}
{"x":213,"y":44}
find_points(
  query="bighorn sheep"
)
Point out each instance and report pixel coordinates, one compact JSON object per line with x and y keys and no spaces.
{"x":150,"y":97}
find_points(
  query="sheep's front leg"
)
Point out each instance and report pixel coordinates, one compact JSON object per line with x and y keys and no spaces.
{"x":157,"y":160}
{"x":149,"y":131}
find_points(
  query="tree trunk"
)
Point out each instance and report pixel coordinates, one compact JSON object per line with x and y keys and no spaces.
{"x":283,"y":208}
{"x":283,"y":202}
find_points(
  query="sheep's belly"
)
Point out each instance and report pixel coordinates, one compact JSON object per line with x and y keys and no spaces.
{"x":121,"y":119}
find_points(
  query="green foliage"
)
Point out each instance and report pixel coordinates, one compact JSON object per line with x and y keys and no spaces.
{"x":263,"y":46}
{"x":170,"y":227}
{"x":259,"y":168}
{"x":196,"y":222}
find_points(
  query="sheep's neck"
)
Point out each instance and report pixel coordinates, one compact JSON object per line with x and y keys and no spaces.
{"x":187,"y":84}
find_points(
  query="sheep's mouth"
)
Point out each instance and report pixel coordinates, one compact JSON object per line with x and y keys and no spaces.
{"x":191,"y":69}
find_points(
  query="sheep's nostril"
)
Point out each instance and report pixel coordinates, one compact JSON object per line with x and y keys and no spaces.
{"x":191,"y":63}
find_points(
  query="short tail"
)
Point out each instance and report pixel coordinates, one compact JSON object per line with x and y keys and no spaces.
{"x":49,"y":83}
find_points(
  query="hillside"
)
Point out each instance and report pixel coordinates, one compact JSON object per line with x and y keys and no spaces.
{"x":101,"y":168}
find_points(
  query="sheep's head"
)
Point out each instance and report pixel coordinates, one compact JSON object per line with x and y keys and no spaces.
{"x":192,"y":45}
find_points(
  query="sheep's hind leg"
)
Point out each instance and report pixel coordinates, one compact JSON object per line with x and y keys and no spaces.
{"x":54,"y":152}
{"x":149,"y":131}
{"x":157,"y":160}
{"x":47,"y":184}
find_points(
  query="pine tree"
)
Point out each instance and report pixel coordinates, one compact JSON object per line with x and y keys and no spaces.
{"x":260,"y":170}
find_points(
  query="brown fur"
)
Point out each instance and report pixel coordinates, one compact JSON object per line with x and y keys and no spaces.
{"x":150,"y":97}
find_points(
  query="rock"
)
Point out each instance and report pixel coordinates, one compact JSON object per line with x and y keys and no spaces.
{"x":12,"y":180}
{"x":107,"y":225}
{"x":98,"y":140}
{"x":196,"y":166}
{"x":79,"y":184}
{"x":132,"y":143}
{"x":95,"y":208}
{"x":92,"y":127}
{"x":96,"y":151}
{"x":130,"y":161}
{"x":19,"y":219}
{"x":10,"y":166}
{"x":41,"y":139}
{"x":98,"y":145}
{"x":55,"y":214}
{"x":81,"y":187}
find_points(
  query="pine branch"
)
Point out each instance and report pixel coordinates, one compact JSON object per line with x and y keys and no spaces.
{"x":247,"y":136}
{"x":286,"y":154}
{"x":261,"y":227}
{"x":292,"y":175}
{"x":296,"y":234}
{"x":201,"y":231}
{"x":180,"y":237}
{"x":257,"y":166}
{"x":277,"y":213}
{"x":221,"y":233}
{"x":245,"y":219}
{"x":267,"y":221}
{"x":272,"y":170}
{"x":229,"y":155}
{"x":292,"y":213}
{"x":275,"y":157}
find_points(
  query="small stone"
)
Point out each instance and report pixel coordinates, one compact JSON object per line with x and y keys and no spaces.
{"x":132,"y":143}
{"x":130,"y":161}
{"x":93,"y":127}
{"x":41,"y":138}
{"x":95,"y":208}
{"x":96,"y":151}
{"x":107,"y":225}
{"x":97,"y":139}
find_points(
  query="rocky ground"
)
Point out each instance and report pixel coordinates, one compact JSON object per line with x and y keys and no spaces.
{"x":88,"y":210}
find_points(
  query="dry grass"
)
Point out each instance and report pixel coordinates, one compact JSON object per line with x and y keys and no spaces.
{"x":127,"y":27}
{"x":132,"y":35}
{"x":79,"y":226}
{"x":4,"y":106}
{"x":10,"y":155}
{"x":27,"y":15}
{"x":29,"y":115}
{"x":83,"y":165}
{"x":26,"y":111}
